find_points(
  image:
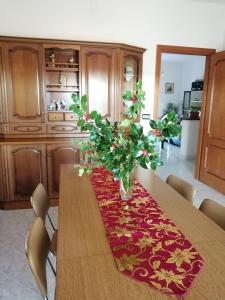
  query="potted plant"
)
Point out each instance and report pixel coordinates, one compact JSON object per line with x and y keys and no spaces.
{"x":194,"y":112}
{"x":121,"y":146}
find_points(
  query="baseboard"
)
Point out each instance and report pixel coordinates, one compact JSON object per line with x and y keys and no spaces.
{"x":23,"y":204}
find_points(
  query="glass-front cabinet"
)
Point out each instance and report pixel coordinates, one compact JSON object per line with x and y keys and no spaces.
{"x":131,"y":71}
{"x":62,"y":79}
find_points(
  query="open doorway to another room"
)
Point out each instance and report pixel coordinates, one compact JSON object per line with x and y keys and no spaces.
{"x":181,"y":89}
{"x":181,"y":84}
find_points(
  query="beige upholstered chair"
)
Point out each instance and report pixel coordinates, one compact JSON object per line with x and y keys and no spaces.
{"x":37,"y":247}
{"x":214,"y":211}
{"x":184,"y":188}
{"x":39,"y":202}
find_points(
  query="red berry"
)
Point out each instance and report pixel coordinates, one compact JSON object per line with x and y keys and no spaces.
{"x":144,"y":152}
{"x":87,"y":117}
{"x":134,"y":99}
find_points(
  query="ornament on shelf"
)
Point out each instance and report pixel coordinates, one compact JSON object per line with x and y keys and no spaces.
{"x":62,"y":79}
{"x":61,"y":104}
{"x":52,"y":105}
{"x":71,"y":61}
{"x":52,"y":59}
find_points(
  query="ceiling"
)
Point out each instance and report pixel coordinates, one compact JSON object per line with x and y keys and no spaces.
{"x":209,"y":1}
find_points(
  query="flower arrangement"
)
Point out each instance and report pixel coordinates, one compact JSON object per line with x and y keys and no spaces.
{"x":120,"y":147}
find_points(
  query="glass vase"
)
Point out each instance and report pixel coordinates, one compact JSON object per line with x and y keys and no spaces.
{"x":126,"y":186}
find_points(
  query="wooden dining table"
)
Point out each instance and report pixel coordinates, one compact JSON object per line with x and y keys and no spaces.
{"x":85,"y":265}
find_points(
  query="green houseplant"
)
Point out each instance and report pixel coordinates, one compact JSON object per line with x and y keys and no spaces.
{"x":194,"y":112}
{"x":120,"y":147}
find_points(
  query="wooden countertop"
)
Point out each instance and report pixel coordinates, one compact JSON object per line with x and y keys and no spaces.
{"x":85,"y":266}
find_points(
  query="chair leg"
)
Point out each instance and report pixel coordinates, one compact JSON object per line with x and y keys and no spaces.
{"x":53,"y":227}
{"x":53,"y":270}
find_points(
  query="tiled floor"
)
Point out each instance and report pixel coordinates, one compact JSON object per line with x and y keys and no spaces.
{"x":16,"y":281}
{"x":185,"y":169}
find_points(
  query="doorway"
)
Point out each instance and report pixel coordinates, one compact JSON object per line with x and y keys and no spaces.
{"x":169,"y":86}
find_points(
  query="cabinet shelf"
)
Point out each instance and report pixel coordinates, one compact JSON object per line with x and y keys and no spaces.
{"x":55,"y":89}
{"x":61,"y":69}
{"x":62,"y":88}
{"x":60,"y":85}
{"x":57,"y":67}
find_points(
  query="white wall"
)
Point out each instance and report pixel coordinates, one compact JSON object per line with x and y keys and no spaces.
{"x":182,"y":70}
{"x":170,"y":72}
{"x":143,"y":23}
{"x":192,"y":69}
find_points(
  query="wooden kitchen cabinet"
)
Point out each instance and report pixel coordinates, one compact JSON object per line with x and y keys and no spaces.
{"x":98,"y":79}
{"x":24,"y":82}
{"x":56,"y":155}
{"x":26,"y":168}
{"x":37,"y":80}
{"x":23,"y":166}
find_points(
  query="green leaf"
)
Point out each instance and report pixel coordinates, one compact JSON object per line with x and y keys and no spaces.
{"x":141,"y":95}
{"x":125,"y":123}
{"x":139,"y":153}
{"x":139,"y":85}
{"x":80,"y":123}
{"x":84,"y":103}
{"x":81,"y":171}
{"x":153,"y":165}
{"x":75,"y":98}
{"x":153,"y":124}
{"x":127,"y":95}
{"x":93,"y":114}
{"x":85,"y":147}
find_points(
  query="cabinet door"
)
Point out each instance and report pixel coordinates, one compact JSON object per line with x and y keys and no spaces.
{"x":4,"y":184}
{"x":26,"y":169}
{"x":24,"y":71}
{"x":2,"y":94}
{"x":57,"y":155}
{"x":98,"y":79}
{"x":130,"y":73}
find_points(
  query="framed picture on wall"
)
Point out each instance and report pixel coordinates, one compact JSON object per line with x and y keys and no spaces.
{"x":169,"y":88}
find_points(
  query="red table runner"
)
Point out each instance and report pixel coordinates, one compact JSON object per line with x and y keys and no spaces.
{"x":145,"y":243}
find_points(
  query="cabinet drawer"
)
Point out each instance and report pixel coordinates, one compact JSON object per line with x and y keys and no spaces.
{"x":4,"y":128}
{"x":55,"y":116}
{"x":60,"y":128}
{"x":23,"y":129}
{"x":70,"y":116}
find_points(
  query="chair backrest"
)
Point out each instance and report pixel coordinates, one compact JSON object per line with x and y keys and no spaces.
{"x":37,"y":247}
{"x":214,"y":211}
{"x":39,"y":201}
{"x":184,"y":188}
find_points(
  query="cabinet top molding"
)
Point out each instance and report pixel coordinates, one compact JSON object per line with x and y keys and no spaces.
{"x":81,"y":43}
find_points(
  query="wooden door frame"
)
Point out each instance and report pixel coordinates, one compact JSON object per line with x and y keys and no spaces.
{"x":188,"y":51}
